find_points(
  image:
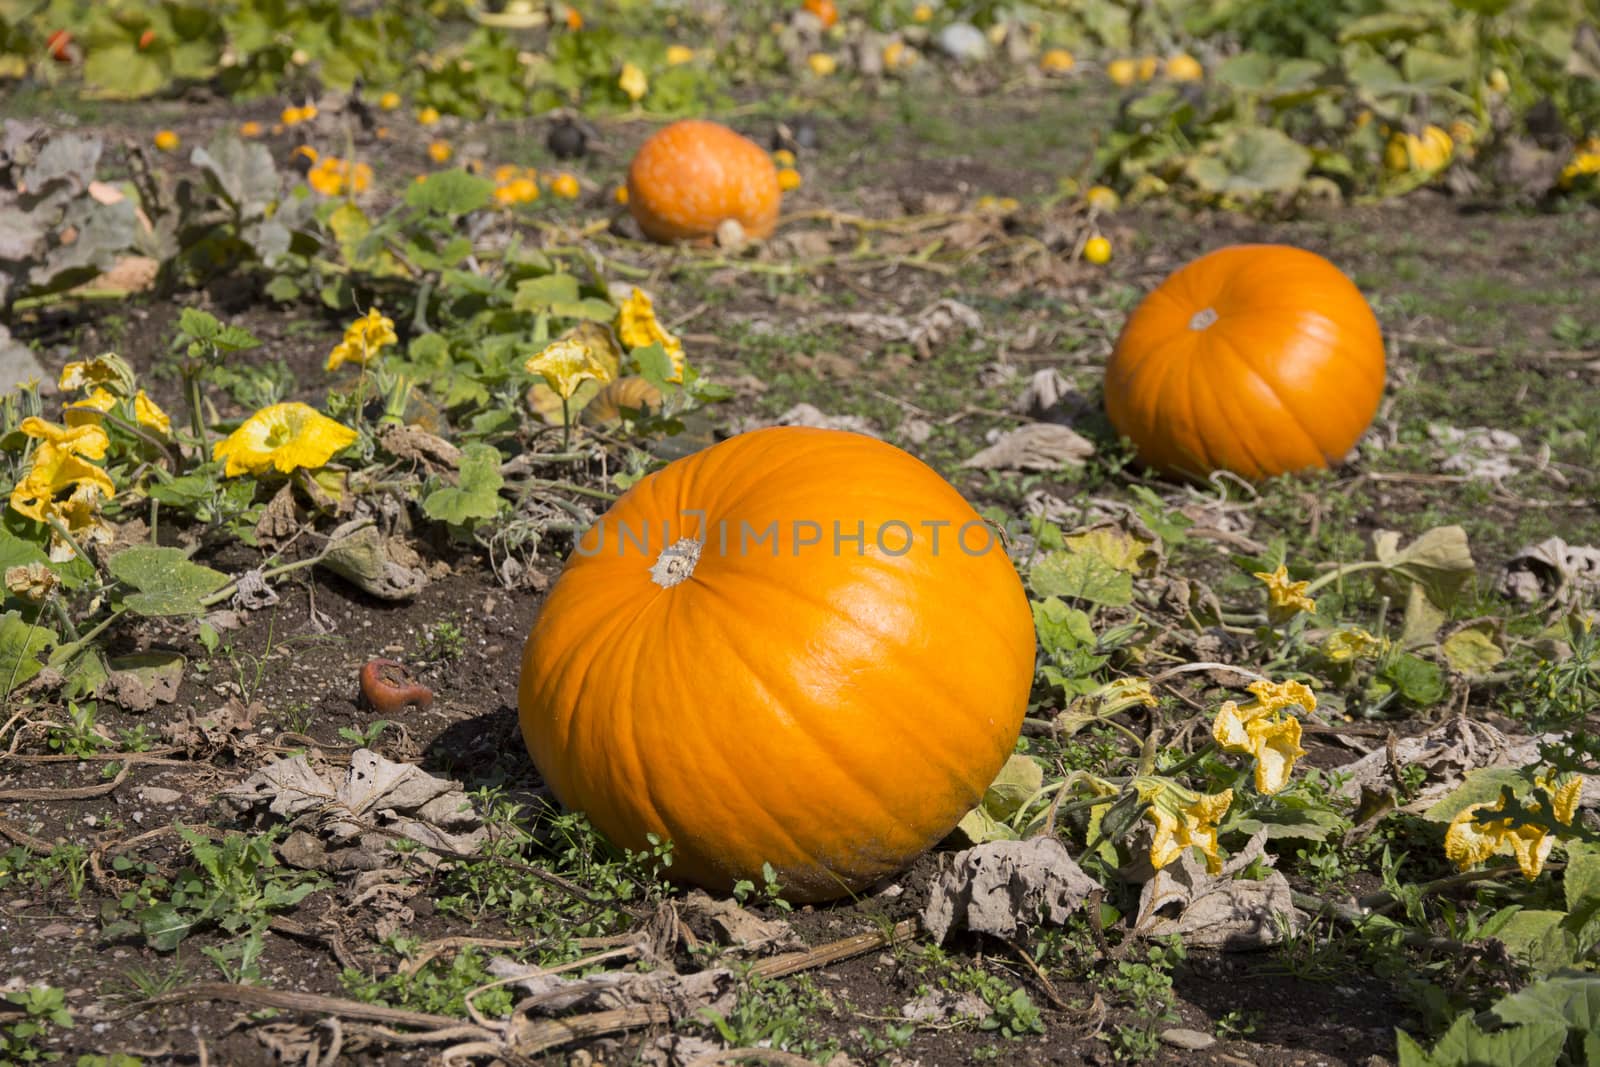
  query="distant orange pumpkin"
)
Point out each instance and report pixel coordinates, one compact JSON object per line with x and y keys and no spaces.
{"x":694,"y":175}
{"x":825,"y":10}
{"x":1255,"y":359}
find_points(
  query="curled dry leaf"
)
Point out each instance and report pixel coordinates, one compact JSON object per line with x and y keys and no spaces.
{"x":1038,"y":446}
{"x":807,"y":415}
{"x":726,"y":923}
{"x":1000,"y":887}
{"x":1552,"y":568}
{"x":927,"y":329}
{"x":1448,"y":752}
{"x":1221,"y":910}
{"x":945,"y":1005}
{"x":140,"y":682}
{"x":383,"y":566}
{"x":686,"y":996}
{"x":419,"y":446}
{"x":351,"y":823}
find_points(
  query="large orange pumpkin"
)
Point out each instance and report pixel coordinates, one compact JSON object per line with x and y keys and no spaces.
{"x":723,"y":663}
{"x":693,"y":175}
{"x":1255,"y":359}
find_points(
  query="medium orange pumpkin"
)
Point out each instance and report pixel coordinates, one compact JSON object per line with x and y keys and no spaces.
{"x":716,"y":667}
{"x":826,"y":12}
{"x":693,"y":175}
{"x":1255,"y":359}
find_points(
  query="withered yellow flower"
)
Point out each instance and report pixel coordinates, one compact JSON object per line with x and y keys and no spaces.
{"x":567,"y":364}
{"x":1285,"y":598}
{"x":108,"y":370}
{"x":1351,"y":643}
{"x":1472,"y":839}
{"x":1275,"y":743}
{"x":1183,"y":819}
{"x":282,"y":437}
{"x":31,"y":582}
{"x":638,"y":327}
{"x":1260,"y":729}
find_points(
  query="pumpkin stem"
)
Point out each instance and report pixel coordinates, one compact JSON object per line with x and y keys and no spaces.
{"x":676,"y":563}
{"x":1203,"y":318}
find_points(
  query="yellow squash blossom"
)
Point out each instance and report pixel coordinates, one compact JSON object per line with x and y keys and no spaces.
{"x":294,"y":116}
{"x":428,"y":116}
{"x":789,"y":180}
{"x":565,"y":186}
{"x":822,"y":64}
{"x":1582,"y":164}
{"x":363,"y":340}
{"x":1183,"y":67}
{"x":633,"y":82}
{"x":62,"y":484}
{"x":566,"y":365}
{"x":1260,"y":729}
{"x":522,"y":189}
{"x":638,"y":327}
{"x":166,"y":140}
{"x":440,"y":151}
{"x":90,"y":442}
{"x":898,"y":54}
{"x":1285,"y":599}
{"x":1057,"y":61}
{"x":251,"y":128}
{"x":282,"y":437}
{"x":678,"y":54}
{"x":333,"y":176}
{"x":149,"y":414}
{"x":1183,"y":819}
{"x":1102,"y":198}
{"x":89,"y":409}
{"x":389,"y":101}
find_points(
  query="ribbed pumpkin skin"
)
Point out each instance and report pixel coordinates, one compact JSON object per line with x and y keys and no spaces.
{"x":831,"y":714}
{"x":1287,"y":377}
{"x":692,"y":175}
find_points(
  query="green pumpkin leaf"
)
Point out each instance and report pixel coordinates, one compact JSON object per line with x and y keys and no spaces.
{"x":476,"y":495}
{"x":167,"y":582}
{"x":1250,"y":162}
{"x":1472,"y":650}
{"x":450,"y":192}
{"x":1018,"y":781}
{"x":20,"y":644}
{"x":1572,"y":998}
{"x":1081,"y":576}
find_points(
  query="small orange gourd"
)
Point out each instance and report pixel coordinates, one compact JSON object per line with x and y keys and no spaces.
{"x":1255,"y":359}
{"x":693,"y":175}
{"x":799,"y":647}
